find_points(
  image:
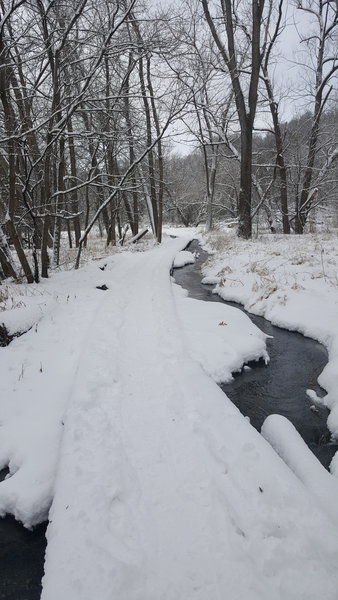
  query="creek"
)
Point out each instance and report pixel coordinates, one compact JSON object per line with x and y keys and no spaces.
{"x":279,"y":387}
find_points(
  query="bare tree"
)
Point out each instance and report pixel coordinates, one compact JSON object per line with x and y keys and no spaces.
{"x":322,"y":42}
{"x":244,"y":79}
{"x":270,"y":40}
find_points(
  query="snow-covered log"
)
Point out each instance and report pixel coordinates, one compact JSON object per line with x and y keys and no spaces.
{"x":138,"y":236}
{"x":287,"y":442}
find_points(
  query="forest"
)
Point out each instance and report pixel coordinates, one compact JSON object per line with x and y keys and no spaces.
{"x":125,"y":114}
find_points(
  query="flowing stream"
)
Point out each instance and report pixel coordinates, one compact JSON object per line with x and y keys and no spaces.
{"x":279,"y":387}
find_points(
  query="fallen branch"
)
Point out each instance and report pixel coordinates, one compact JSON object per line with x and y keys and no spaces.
{"x":138,"y":236}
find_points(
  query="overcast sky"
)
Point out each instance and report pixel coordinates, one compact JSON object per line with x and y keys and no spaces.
{"x":290,"y":76}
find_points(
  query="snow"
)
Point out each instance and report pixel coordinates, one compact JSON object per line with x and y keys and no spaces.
{"x":220,"y":338}
{"x":157,"y":493}
{"x":183,"y":258}
{"x":287,"y":442}
{"x":291,"y":281}
{"x":19,"y":321}
{"x":317,"y":401}
{"x":36,"y":374}
{"x":160,"y":488}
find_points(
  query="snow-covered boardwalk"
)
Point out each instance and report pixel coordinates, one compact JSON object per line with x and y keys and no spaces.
{"x":163,"y":490}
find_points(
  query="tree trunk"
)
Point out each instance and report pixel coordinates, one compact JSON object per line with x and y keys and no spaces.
{"x":19,"y":250}
{"x":160,"y":155}
{"x":6,"y":259}
{"x":9,"y":123}
{"x":244,"y":200}
{"x":151,"y":167}
{"x":134,"y":223}
{"x":59,"y":204}
{"x":246,"y":108}
{"x":74,"y":194}
{"x":323,"y":73}
{"x":280,"y":161}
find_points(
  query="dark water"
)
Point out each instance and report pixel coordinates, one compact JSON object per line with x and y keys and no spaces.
{"x":279,"y":387}
{"x":21,"y":558}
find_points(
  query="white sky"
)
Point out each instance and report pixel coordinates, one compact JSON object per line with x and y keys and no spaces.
{"x":290,"y":77}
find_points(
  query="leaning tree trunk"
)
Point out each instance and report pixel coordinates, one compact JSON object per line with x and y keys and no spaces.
{"x":280,"y":161}
{"x":6,"y":259}
{"x":151,"y":166}
{"x":134,"y":223}
{"x":9,"y":124}
{"x":304,"y":205}
{"x":160,"y":155}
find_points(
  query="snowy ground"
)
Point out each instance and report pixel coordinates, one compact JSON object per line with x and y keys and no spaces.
{"x":161,"y":490}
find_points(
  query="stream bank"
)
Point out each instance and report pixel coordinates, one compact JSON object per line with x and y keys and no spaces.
{"x":279,"y":387}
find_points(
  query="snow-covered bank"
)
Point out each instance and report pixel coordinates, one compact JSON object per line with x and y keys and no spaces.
{"x":290,"y":280}
{"x":287,"y":442}
{"x":36,"y":377}
{"x":220,"y":338}
{"x":183,"y":258}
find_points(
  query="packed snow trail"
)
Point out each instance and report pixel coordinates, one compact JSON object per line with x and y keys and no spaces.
{"x":164,"y":491}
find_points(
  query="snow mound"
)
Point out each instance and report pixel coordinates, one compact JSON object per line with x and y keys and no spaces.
{"x":287,"y":442}
{"x":219,"y":337}
{"x":210,"y":280}
{"x":183,"y":258}
{"x":19,"y":320}
{"x":317,"y":400}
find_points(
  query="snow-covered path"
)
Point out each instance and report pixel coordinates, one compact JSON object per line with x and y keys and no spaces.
{"x":163,"y":490}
